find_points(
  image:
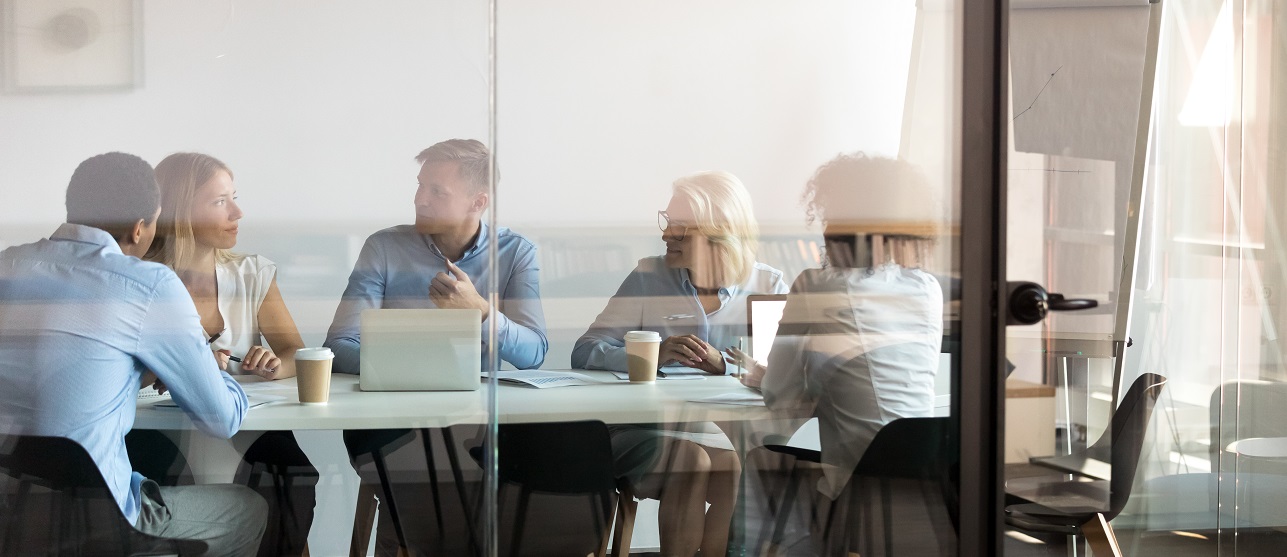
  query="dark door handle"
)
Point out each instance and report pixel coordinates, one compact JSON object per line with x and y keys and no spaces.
{"x":1057,"y":302}
{"x":1029,"y":303}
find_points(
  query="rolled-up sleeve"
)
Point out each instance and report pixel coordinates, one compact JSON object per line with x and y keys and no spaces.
{"x":170,"y":344}
{"x":520,"y":319}
{"x":364,"y":291}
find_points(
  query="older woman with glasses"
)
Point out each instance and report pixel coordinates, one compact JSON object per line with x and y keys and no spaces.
{"x":695,"y":297}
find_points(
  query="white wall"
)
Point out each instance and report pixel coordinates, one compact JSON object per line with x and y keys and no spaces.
{"x":319,"y":108}
{"x":605,"y":103}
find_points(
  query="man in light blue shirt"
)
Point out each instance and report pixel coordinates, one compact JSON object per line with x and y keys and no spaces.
{"x":84,"y":323}
{"x":441,"y":262}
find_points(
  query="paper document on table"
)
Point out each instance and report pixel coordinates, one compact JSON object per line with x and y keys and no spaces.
{"x":739,"y":398}
{"x":251,"y":387}
{"x":625,"y":376}
{"x":544,"y":379}
{"x":254,"y":401}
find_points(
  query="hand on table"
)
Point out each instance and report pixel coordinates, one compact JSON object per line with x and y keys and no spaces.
{"x":692,"y":351}
{"x":262,"y":362}
{"x":456,"y":291}
{"x":754,"y":375}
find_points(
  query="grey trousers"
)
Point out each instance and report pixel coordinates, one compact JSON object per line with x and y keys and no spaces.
{"x":229,"y":518}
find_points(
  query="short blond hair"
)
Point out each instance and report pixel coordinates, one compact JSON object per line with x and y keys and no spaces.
{"x":180,"y":176}
{"x":724,"y":213}
{"x":473,"y":158}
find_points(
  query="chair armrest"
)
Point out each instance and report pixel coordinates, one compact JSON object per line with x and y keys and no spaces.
{"x":807,"y":455}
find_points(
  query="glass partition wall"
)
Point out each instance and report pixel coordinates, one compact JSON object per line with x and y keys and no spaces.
{"x":318,"y":112}
{"x":777,"y":201}
{"x":763,"y":197}
{"x":1204,"y":207}
{"x":709,"y":257}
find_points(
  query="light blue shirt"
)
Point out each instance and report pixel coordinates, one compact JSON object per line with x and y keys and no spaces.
{"x":79,"y":324}
{"x":657,"y":298}
{"x":395,"y":268}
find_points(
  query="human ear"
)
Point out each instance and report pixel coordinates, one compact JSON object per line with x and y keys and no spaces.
{"x":136,"y":234}
{"x":480,"y":202}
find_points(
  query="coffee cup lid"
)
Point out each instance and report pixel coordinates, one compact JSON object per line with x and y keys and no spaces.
{"x":321,"y":353}
{"x":643,"y":336}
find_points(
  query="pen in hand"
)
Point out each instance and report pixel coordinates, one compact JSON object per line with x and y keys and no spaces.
{"x":238,"y":360}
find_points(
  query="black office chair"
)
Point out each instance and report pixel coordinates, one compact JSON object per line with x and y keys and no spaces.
{"x":157,"y":458}
{"x":276,"y":454}
{"x":564,"y":458}
{"x":85,"y":518}
{"x":1086,"y":507}
{"x":919,"y":449}
{"x":376,"y":445}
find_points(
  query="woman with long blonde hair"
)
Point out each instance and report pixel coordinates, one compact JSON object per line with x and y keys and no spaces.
{"x":240,"y":306}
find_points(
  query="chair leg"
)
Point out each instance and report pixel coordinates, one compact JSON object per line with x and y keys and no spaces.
{"x":887,"y":516}
{"x":785,"y":506}
{"x":603,"y":520}
{"x":388,"y":495}
{"x":625,"y":523}
{"x":427,"y":443}
{"x":1099,"y":534}
{"x":932,"y":493}
{"x":458,"y":476}
{"x":515,"y":547}
{"x":363,"y":519}
{"x":12,"y":534}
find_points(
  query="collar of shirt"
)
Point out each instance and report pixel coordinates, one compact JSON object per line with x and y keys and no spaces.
{"x":725,"y":292}
{"x":86,"y":234}
{"x":480,"y":244}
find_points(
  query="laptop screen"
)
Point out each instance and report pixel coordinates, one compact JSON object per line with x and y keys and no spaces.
{"x":763,"y":312}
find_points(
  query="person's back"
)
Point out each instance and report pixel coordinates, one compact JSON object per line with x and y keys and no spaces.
{"x":84,"y":323}
{"x":68,"y":327}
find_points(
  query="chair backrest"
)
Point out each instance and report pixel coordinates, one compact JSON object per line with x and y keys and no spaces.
{"x":1129,"y":427}
{"x":53,"y":462}
{"x":65,"y":467}
{"x":562,"y":457}
{"x":914,"y":448}
{"x":1244,"y":409}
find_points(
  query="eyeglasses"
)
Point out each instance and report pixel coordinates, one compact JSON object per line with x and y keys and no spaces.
{"x":680,"y":228}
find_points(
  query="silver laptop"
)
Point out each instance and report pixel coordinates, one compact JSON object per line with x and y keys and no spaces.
{"x":421,"y":349}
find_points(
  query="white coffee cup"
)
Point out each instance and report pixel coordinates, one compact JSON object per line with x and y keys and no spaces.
{"x":642,"y":348}
{"x":313,"y":374}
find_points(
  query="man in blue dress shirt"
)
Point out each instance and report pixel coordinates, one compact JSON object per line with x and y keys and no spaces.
{"x":441,"y":262}
{"x":84,"y":323}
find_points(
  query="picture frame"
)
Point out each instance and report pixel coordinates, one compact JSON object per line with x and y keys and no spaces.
{"x":68,"y":46}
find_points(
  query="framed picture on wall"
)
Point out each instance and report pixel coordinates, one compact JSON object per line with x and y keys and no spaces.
{"x":71,"y":45}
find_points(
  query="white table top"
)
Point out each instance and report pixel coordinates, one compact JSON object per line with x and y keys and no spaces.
{"x":612,"y":401}
{"x":1260,"y":447}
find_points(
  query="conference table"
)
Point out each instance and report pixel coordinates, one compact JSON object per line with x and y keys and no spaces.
{"x":611,"y":400}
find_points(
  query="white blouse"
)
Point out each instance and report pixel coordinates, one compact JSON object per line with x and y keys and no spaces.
{"x":243,"y":282}
{"x":861,"y":348}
